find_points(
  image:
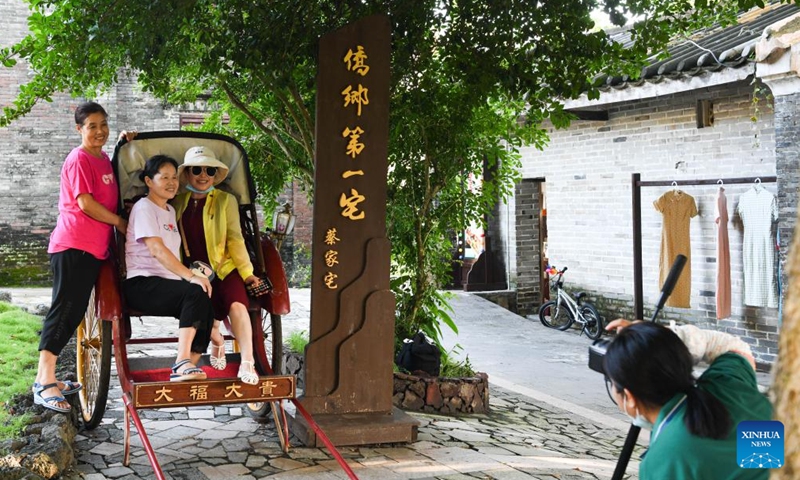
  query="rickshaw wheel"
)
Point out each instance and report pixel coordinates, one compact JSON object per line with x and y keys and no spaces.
{"x":273,"y":346}
{"x":94,"y":364}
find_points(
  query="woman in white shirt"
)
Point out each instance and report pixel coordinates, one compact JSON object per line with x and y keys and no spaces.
{"x":157,"y":282}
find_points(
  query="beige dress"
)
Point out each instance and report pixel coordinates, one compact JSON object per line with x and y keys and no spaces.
{"x":677,"y":209}
{"x":723,"y":257}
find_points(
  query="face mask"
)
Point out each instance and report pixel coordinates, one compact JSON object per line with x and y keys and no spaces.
{"x":638,"y":421}
{"x":192,"y":189}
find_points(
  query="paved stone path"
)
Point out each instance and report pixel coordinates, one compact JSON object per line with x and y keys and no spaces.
{"x":521,"y":437}
{"x":518,"y":439}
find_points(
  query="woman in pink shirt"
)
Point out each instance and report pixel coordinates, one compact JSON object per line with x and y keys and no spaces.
{"x":86,"y":220}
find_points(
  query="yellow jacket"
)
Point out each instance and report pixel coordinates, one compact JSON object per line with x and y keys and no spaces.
{"x":224,"y":241}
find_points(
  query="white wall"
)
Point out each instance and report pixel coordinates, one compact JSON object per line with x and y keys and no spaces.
{"x":588,"y":170}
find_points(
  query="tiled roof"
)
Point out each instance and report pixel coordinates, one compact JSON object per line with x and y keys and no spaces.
{"x":707,"y":50}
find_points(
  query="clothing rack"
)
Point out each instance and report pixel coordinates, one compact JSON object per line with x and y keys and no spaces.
{"x":636,"y":202}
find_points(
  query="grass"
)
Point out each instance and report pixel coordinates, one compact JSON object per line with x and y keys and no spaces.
{"x":452,"y":367}
{"x":19,"y":358}
{"x":297,"y":341}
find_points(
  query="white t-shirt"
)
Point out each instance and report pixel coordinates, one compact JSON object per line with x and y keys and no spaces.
{"x":149,"y":220}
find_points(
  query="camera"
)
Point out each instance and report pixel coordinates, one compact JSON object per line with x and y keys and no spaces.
{"x":597,"y":351}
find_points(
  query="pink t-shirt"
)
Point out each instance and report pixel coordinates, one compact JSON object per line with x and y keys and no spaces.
{"x":149,"y":220}
{"x":84,"y":173}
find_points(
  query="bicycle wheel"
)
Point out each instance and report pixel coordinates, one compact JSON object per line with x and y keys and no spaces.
{"x":93,"y":348}
{"x":594,"y":323}
{"x":555,"y":315}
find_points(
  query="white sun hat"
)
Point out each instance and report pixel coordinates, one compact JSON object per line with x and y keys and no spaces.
{"x":202,"y":157}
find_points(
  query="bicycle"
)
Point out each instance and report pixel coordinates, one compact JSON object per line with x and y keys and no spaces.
{"x":562,"y":312}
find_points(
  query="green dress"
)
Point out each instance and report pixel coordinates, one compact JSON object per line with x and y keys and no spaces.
{"x":675,"y":454}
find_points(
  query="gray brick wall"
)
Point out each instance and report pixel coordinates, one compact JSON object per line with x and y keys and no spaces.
{"x":528,"y":253}
{"x":587,"y":169}
{"x":787,"y":160}
{"x":33,"y":149}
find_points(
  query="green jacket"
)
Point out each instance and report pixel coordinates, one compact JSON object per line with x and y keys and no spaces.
{"x":675,"y":454}
{"x":224,"y":241}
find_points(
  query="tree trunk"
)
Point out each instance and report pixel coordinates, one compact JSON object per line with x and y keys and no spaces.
{"x":786,"y":385}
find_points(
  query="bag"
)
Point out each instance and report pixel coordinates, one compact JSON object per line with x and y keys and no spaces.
{"x":202,"y":269}
{"x":262,"y":287}
{"x":419,"y":354}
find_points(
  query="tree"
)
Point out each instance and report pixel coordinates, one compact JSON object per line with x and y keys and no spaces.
{"x":464,"y":73}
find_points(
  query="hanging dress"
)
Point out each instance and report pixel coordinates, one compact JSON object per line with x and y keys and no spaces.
{"x":677,"y":209}
{"x":723,"y":257}
{"x":758,"y":210}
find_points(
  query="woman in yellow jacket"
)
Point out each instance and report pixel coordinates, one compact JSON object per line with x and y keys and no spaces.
{"x":209,"y":222}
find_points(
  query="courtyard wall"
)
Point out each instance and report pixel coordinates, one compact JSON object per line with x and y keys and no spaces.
{"x":587,"y":178}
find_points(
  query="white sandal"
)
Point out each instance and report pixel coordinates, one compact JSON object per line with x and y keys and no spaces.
{"x":248,"y":376}
{"x":220,"y":362}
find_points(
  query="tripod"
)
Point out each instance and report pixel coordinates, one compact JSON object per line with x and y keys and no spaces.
{"x":633,"y":432}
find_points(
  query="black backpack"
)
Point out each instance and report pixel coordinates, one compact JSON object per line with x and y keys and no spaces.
{"x":419,"y":354}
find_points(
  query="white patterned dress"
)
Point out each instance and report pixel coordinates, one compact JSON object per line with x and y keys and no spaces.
{"x":758,"y":210}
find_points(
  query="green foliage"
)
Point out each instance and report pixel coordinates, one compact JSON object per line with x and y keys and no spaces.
{"x":18,"y":361}
{"x":452,"y":367}
{"x":297,"y":341}
{"x":463,"y":75}
{"x":300,"y":276}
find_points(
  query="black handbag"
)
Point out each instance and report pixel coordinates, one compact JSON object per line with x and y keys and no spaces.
{"x":418,"y":354}
{"x":257,"y":289}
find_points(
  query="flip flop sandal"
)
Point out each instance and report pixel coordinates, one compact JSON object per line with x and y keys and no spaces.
{"x":70,"y":387}
{"x":218,"y":362}
{"x":50,"y":403}
{"x":248,"y":375}
{"x":188,"y":374}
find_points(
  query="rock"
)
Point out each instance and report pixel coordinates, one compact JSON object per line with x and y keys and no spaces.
{"x":10,"y":469}
{"x":449,"y":389}
{"x":466,"y":392}
{"x":11,"y":445}
{"x":34,"y":429}
{"x":40,"y":310}
{"x":476,"y":405}
{"x":41,"y":464}
{"x":433,"y":397}
{"x":418,"y":388}
{"x":5,"y":296}
{"x":293,"y":365}
{"x":398,"y":384}
{"x":412,"y":401}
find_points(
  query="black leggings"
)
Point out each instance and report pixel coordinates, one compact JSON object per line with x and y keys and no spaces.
{"x":74,"y":275}
{"x":173,"y":298}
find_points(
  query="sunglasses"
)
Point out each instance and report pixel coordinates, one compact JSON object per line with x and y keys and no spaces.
{"x":210,"y":171}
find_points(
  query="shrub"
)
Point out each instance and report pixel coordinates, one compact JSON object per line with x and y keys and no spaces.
{"x":453,"y":367}
{"x":297,"y":341}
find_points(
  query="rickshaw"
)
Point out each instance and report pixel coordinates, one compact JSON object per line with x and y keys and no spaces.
{"x":145,"y":381}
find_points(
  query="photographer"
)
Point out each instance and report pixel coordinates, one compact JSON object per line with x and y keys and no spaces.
{"x":692,"y":422}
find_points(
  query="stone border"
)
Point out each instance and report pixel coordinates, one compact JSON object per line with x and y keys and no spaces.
{"x":44,"y":450}
{"x":443,"y":395}
{"x":448,"y":396}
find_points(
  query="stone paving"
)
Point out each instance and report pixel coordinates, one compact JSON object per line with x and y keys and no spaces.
{"x":520,"y":438}
{"x":517,"y":439}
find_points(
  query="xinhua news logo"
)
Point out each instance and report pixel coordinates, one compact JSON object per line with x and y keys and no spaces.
{"x":759,"y":444}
